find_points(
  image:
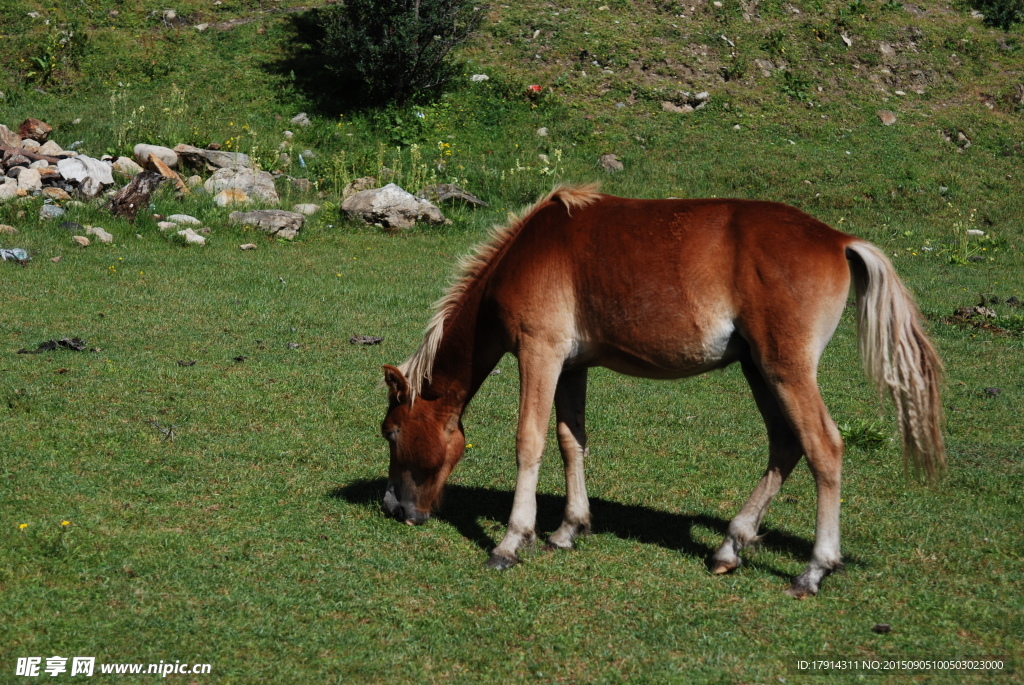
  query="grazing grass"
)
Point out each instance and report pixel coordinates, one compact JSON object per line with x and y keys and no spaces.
{"x":254,"y":540}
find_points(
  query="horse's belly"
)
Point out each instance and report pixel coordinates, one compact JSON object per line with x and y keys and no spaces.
{"x":661,"y":351}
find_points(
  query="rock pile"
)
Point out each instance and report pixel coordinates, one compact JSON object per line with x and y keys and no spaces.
{"x":33,"y":164}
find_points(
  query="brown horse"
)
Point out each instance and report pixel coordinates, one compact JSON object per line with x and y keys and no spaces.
{"x":659,"y":289}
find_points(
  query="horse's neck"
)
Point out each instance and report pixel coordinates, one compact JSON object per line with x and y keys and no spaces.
{"x":470,"y":349}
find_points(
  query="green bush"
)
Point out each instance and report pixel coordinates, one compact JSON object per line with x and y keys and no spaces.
{"x":395,"y":50}
{"x":1001,"y":13}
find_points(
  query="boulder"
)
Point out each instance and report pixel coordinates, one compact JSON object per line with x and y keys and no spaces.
{"x":277,"y":222}
{"x":142,"y":151}
{"x":80,"y":240}
{"x":887,"y":117}
{"x":391,"y":207}
{"x":258,"y":185}
{"x":8,"y":191}
{"x":210,"y":159}
{"x":35,"y":130}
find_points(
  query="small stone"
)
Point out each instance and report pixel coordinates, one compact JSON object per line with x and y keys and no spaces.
{"x":8,"y":230}
{"x":303,"y":185}
{"x":30,"y":145}
{"x":667,"y":106}
{"x":166,"y":225}
{"x":36,"y":130}
{"x":56,"y":193}
{"x":611,"y":163}
{"x":191,"y":237}
{"x":301,"y":119}
{"x":30,"y":180}
{"x":8,"y":191}
{"x":273,"y":221}
{"x":886,"y":117}
{"x":127,"y":166}
{"x":975,"y":231}
{"x":881,"y":628}
{"x":288,"y":134}
{"x":477,"y":78}
{"x":39,"y":164}
{"x":81,"y":240}
{"x":306,"y":209}
{"x":542,"y":132}
{"x":247,"y":246}
{"x":230,"y":196}
{"x":50,"y":212}
{"x":9,"y":137}
{"x":55,"y":260}
{"x":284,"y":159}
{"x":194,"y":181}
{"x":50,"y":149}
{"x":100,"y":234}
{"x":184,"y":219}
{"x":358,"y":186}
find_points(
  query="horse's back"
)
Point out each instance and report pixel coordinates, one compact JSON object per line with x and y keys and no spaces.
{"x":671,"y":287}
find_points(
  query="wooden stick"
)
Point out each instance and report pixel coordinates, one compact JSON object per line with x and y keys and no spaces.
{"x":34,"y":156}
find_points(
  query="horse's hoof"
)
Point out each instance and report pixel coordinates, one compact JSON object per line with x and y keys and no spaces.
{"x":552,"y":547}
{"x":722,"y":568}
{"x":800,"y":591}
{"x":501,"y":562}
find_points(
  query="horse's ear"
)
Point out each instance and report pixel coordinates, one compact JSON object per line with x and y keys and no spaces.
{"x":398,"y":387}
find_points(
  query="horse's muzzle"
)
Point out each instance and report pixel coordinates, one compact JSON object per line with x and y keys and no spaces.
{"x":402,"y":511}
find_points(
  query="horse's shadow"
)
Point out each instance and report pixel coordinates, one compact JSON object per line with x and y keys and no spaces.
{"x":464,"y":507}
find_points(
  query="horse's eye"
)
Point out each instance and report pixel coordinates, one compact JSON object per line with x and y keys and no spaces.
{"x":389,"y":434}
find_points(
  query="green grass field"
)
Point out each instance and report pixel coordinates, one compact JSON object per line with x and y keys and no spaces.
{"x":254,"y":541}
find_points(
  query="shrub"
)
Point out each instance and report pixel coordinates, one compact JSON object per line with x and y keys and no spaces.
{"x":393,"y":50}
{"x":1001,"y":13}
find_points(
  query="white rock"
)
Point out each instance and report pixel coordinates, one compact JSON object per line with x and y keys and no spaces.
{"x":184,"y":219}
{"x":191,"y":237}
{"x":101,"y":235}
{"x":542,"y":132}
{"x":30,"y":145}
{"x":301,"y":119}
{"x":8,"y":191}
{"x":974,"y":231}
{"x":306,"y":209}
{"x":476,"y":78}
{"x":39,"y":164}
{"x":79,"y":168}
{"x":81,"y":240}
{"x":142,"y":151}
{"x":392,"y":207}
{"x":30,"y":180}
{"x":247,"y":246}
{"x":165,"y":225}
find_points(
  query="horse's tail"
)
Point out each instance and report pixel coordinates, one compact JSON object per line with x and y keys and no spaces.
{"x":898,"y":356}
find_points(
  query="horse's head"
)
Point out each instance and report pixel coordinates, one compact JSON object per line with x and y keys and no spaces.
{"x":426,"y":441}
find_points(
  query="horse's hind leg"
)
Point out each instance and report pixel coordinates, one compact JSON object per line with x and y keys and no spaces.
{"x":784,"y":451}
{"x":570,"y":409}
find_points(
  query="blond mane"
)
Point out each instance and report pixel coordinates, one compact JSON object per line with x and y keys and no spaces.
{"x":417,"y":369}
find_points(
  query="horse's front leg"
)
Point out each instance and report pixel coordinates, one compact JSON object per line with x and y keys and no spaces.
{"x":570,"y":411}
{"x":538,"y":376}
